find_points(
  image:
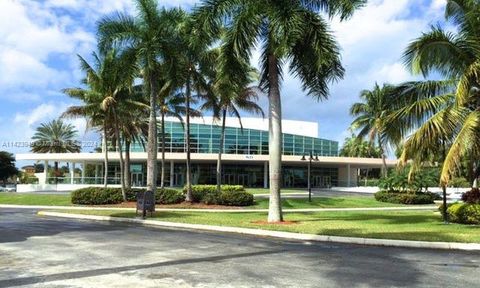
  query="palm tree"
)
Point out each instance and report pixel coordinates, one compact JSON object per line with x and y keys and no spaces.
{"x":55,"y":137}
{"x":444,"y":115}
{"x":110,"y":81}
{"x":171,"y":105}
{"x":231,"y":98}
{"x":133,"y":122}
{"x":357,"y":147}
{"x":287,"y":31}
{"x":194,"y":63}
{"x":372,"y":118}
{"x":147,"y":35}
{"x":95,"y":116}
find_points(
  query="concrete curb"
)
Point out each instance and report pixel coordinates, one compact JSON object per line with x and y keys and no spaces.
{"x":420,"y":208}
{"x":276,"y":234}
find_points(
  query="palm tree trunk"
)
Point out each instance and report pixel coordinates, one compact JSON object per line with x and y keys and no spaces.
{"x":119,"y":143}
{"x":220,"y":151}
{"x":188,"y":196}
{"x":56,"y":172}
{"x":275,"y":140}
{"x":128,"y":177}
{"x":162,"y":177}
{"x":152,"y":145}
{"x":105,"y":146}
{"x":384,"y":160}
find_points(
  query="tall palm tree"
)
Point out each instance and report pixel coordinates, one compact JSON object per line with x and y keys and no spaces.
{"x":231,"y":98}
{"x":147,"y":35}
{"x":171,"y":105}
{"x":194,"y":64}
{"x":55,"y":136}
{"x":96,"y":117}
{"x":372,"y":118}
{"x":444,"y":116}
{"x":109,"y":81}
{"x":287,"y":31}
{"x":133,"y":122}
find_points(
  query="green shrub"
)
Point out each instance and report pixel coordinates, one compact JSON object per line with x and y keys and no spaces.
{"x":231,"y":198}
{"x":103,"y":196}
{"x":464,"y":213}
{"x":208,"y":193}
{"x":231,"y":195}
{"x":169,"y":196}
{"x":405,"y":198}
{"x":472,"y":196}
{"x":96,"y":196}
{"x":398,"y":180}
{"x":459,"y":182}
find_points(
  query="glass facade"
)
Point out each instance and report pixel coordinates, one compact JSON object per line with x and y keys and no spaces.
{"x":205,"y":139}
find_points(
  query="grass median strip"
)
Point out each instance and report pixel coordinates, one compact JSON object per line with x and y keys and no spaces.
{"x":400,"y":225}
{"x":35,"y":199}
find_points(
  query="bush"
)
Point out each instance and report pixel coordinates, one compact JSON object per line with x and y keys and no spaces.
{"x":472,"y":196}
{"x":231,"y":195}
{"x":405,"y":198}
{"x":464,"y":213}
{"x":398,"y":180}
{"x":208,"y":194}
{"x":169,"y":196}
{"x":230,"y":198}
{"x":459,"y":182}
{"x":97,"y":196}
{"x":103,"y":196}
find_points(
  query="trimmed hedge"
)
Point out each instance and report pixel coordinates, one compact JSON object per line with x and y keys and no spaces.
{"x":406,"y":198}
{"x":97,"y":196}
{"x":230,"y":198}
{"x":464,"y":213}
{"x":231,"y":195}
{"x":103,"y":196}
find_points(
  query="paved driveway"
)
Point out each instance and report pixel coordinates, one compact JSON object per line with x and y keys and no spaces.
{"x":48,"y":252}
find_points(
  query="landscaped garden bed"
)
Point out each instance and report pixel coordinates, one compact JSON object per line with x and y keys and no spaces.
{"x":204,"y":194}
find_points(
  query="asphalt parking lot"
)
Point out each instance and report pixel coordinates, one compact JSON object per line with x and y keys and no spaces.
{"x":49,"y":252}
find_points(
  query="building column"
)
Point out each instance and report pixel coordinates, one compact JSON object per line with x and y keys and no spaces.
{"x":72,"y":172}
{"x":172,"y":167}
{"x":349,"y":176}
{"x":45,"y":172}
{"x":84,"y":165}
{"x":265,"y":175}
{"x":96,"y":173}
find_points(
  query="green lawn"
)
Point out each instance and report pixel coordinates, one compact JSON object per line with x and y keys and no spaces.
{"x":404,"y":225}
{"x":34,"y":199}
{"x":326,"y":202}
{"x":291,"y":203}
{"x":267,"y":191}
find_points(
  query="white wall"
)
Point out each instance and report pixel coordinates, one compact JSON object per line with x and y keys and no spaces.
{"x":23,"y":188}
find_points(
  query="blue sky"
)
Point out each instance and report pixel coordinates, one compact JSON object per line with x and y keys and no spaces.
{"x":39,"y":41}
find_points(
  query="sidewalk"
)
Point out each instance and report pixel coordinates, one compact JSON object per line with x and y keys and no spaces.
{"x":429,"y":207}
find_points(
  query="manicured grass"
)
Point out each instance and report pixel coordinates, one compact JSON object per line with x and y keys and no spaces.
{"x":34,"y":199}
{"x":326,"y":202}
{"x":403,"y":225}
{"x":290,"y":203}
{"x":267,"y":191}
